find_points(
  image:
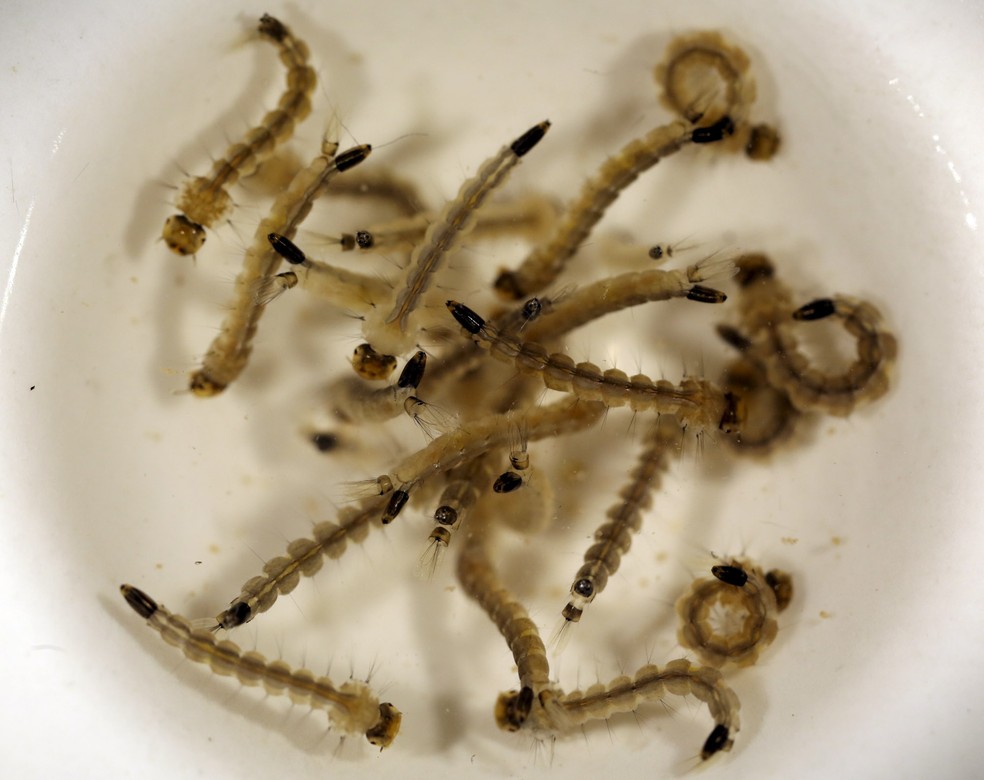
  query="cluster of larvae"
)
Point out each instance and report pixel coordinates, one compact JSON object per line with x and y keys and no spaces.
{"x":477,"y":385}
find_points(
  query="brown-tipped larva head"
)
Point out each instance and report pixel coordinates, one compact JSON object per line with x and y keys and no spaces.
{"x":753,"y":268}
{"x":704,"y":79}
{"x":203,"y":386}
{"x":782,"y":585}
{"x":513,"y":708}
{"x":507,"y":286}
{"x":369,"y":364}
{"x":183,"y":236}
{"x":763,"y":143}
{"x":139,"y":601}
{"x":384,"y":732}
{"x":719,"y":739}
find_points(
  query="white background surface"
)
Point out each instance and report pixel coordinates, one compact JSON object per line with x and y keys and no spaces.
{"x":108,"y":476}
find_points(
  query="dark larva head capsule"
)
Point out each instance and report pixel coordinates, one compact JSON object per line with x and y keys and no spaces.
{"x":413,"y":371}
{"x":730,"y":575}
{"x":466,"y":318}
{"x":717,"y":741}
{"x":287,"y":249}
{"x":720,"y":130}
{"x":733,"y":337}
{"x":352,"y":157}
{"x":507,"y":482}
{"x":387,"y":727}
{"x":396,"y":503}
{"x":325,"y":442}
{"x":815,"y":310}
{"x":529,"y":139}
{"x":139,"y":601}
{"x":272,"y":28}
{"x":656,"y":252}
{"x":364,"y":239}
{"x":763,"y":143}
{"x":703,"y":294}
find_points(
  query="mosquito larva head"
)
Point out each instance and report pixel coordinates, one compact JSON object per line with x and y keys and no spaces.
{"x":413,"y":371}
{"x":324,"y":441}
{"x":734,"y":415}
{"x":466,"y":318}
{"x":507,"y":482}
{"x":730,"y":574}
{"x":752,"y":268}
{"x":352,"y":157}
{"x":657,"y":252}
{"x":529,"y":139}
{"x":723,"y":128}
{"x":782,"y":586}
{"x":272,"y":28}
{"x":396,"y":503}
{"x":364,"y":239}
{"x":239,"y":613}
{"x":369,"y":364}
{"x":513,"y":708}
{"x":204,"y":386}
{"x":718,"y":740}
{"x":446,"y":515}
{"x":507,"y":286}
{"x":182,"y":235}
{"x":139,"y":601}
{"x":815,"y":310}
{"x":703,"y":294}
{"x":734,"y":337}
{"x":384,"y":732}
{"x":287,"y":249}
{"x":763,"y":143}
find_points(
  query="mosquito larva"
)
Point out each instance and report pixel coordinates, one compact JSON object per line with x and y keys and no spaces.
{"x":304,"y":558}
{"x":556,"y":712}
{"x":340,"y":287}
{"x":369,"y":364}
{"x":481,"y":582}
{"x":204,"y":200}
{"x":698,"y":404}
{"x":353,"y":709}
{"x":229,"y":352}
{"x":391,"y":331}
{"x":546,"y":262}
{"x":763,"y":143}
{"x":634,"y":288}
{"x":864,"y":380}
{"x":528,"y":216}
{"x":352,"y":401}
{"x":730,"y":619}
{"x":613,"y":537}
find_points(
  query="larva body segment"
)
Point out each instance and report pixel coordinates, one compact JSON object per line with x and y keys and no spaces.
{"x":229,"y":352}
{"x":613,"y":537}
{"x":353,"y":709}
{"x":698,"y":404}
{"x":204,"y":200}
{"x":555,"y":712}
{"x":390,"y":332}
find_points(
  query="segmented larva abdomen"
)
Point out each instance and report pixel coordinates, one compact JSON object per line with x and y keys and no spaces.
{"x":204,"y":200}
{"x":699,"y":405}
{"x":352,"y":707}
{"x":613,"y":538}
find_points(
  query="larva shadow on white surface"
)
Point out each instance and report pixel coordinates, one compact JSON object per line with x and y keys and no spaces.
{"x":110,"y":477}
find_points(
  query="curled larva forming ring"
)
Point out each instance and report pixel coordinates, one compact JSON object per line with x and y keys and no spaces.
{"x":704,"y":79}
{"x":727,"y":620}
